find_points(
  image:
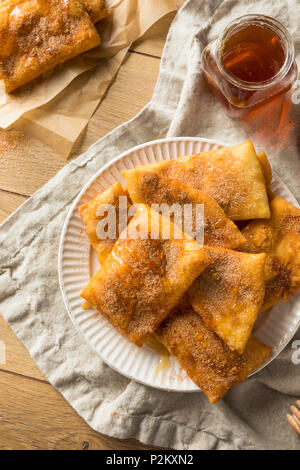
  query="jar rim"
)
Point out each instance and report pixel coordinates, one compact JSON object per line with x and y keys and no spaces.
{"x":261,"y":20}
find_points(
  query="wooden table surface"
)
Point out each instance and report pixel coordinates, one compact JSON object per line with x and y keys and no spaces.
{"x":33,"y":415}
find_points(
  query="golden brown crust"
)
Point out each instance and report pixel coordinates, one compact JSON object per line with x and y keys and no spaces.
{"x":37,"y":36}
{"x":205,"y":358}
{"x":229,"y":293}
{"x":150,"y":188}
{"x":96,"y":9}
{"x":279,"y":237}
{"x":143,"y":279}
{"x":231,"y":175}
{"x":88,"y":213}
{"x":266,"y":169}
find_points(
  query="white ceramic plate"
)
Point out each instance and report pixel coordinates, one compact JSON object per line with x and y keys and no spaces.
{"x":77,"y":263}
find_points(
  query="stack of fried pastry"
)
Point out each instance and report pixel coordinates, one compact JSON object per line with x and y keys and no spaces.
{"x":37,"y":35}
{"x":201,"y":302}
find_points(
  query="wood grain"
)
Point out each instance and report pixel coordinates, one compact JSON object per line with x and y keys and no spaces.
{"x":18,"y":359}
{"x":9,"y":202}
{"x":25,"y":164}
{"x":128,"y":94}
{"x":33,"y":414}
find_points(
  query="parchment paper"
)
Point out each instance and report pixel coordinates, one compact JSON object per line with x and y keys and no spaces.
{"x":56,"y":108}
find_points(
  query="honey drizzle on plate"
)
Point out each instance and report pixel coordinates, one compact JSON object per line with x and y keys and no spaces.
{"x":85,"y":305}
{"x":163,"y":365}
{"x":164,"y":362}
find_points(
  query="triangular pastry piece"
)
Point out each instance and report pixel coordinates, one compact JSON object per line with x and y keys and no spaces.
{"x":89,"y":214}
{"x":36,"y":36}
{"x":279,"y":237}
{"x":229,"y":293}
{"x":204,"y":356}
{"x":145,"y":275}
{"x":150,"y":188}
{"x":231,"y":175}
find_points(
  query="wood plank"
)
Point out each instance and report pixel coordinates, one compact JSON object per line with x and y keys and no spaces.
{"x":25,"y":161}
{"x":26,"y":164}
{"x":35,"y":416}
{"x":17,"y":358}
{"x":9,"y":202}
{"x":130,"y":92}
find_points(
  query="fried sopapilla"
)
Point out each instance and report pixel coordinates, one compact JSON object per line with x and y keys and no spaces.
{"x":96,"y":9}
{"x":204,"y":356}
{"x":229,"y":293}
{"x":94,"y":211}
{"x":279,"y":237}
{"x":145,"y":275}
{"x":35,"y":36}
{"x":232,"y":176}
{"x":150,"y":188}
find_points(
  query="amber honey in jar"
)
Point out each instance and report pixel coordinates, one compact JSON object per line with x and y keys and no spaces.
{"x":252,"y":61}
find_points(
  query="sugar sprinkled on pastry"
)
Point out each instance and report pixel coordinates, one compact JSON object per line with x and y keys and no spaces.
{"x":35,"y":36}
{"x":232,"y":176}
{"x":143,"y":278}
{"x":229,"y":293}
{"x":279,"y":237}
{"x":96,"y":9}
{"x":89,"y":212}
{"x":204,"y":356}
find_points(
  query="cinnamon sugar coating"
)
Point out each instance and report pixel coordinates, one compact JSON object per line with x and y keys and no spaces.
{"x":143,"y":278}
{"x":204,"y":356}
{"x":150,"y":188}
{"x":229,"y":293}
{"x":88,"y":213}
{"x":96,"y":9}
{"x":35,"y":36}
{"x":279,"y":237}
{"x":231,"y":175}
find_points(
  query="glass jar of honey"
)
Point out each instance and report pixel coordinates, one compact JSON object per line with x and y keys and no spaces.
{"x":253,"y":61}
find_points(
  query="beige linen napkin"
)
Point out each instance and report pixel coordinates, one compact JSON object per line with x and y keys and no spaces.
{"x":252,"y":415}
